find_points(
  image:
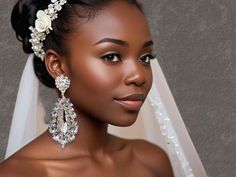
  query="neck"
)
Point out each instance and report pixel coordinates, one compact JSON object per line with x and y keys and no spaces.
{"x":92,"y":138}
{"x":92,"y":135}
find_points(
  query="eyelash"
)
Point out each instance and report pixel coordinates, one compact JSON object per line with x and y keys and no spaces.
{"x":110,"y":58}
{"x":151,"y":57}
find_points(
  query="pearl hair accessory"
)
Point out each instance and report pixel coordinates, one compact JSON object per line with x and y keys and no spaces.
{"x":43,"y":25}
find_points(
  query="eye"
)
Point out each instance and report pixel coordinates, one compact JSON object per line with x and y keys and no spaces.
{"x":146,"y":58}
{"x":112,"y":57}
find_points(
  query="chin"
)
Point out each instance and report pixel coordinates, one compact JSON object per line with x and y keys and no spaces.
{"x":125,"y":120}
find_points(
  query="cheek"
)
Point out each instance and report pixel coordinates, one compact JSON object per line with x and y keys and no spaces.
{"x":92,"y":86}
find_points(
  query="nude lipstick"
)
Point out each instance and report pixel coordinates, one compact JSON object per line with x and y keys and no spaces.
{"x":132,"y":102}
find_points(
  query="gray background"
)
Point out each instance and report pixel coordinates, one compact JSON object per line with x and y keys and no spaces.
{"x":196,"y":48}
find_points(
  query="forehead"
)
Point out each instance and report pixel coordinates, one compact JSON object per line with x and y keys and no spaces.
{"x":118,"y":20}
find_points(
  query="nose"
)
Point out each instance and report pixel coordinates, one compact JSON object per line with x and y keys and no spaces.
{"x":135,"y":74}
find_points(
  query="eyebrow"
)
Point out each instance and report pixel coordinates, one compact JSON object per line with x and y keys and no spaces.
{"x":148,"y":43}
{"x":112,"y":40}
{"x":121,"y":42}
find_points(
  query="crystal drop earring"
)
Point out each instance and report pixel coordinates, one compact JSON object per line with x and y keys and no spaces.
{"x":63,"y":125}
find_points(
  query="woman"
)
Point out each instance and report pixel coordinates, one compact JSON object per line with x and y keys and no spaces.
{"x":104,"y":48}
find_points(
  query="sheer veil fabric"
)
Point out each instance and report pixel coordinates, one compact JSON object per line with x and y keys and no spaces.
{"x":159,"y":122}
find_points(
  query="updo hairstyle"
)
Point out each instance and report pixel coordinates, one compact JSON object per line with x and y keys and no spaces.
{"x":73,"y":12}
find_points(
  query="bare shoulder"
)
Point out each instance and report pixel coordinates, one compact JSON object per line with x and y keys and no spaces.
{"x":25,"y":162}
{"x":7,"y":168}
{"x":153,"y":157}
{"x":17,"y":166}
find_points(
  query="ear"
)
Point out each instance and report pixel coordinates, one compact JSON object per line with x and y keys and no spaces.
{"x":55,"y":63}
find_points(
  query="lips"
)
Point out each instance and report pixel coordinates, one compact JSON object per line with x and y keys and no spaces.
{"x":132,"y":102}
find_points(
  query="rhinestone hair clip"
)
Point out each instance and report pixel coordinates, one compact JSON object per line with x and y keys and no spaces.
{"x":43,"y":25}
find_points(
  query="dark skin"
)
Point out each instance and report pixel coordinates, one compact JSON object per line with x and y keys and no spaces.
{"x":100,"y":72}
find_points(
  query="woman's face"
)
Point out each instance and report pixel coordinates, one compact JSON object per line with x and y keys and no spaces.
{"x":109,"y":65}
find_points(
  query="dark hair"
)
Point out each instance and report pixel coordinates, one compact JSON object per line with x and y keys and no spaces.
{"x":24,"y":15}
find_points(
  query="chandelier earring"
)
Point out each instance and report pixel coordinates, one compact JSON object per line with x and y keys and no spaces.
{"x":63,"y":125}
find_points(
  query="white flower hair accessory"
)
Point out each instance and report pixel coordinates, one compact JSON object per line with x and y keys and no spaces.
{"x":43,"y":25}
